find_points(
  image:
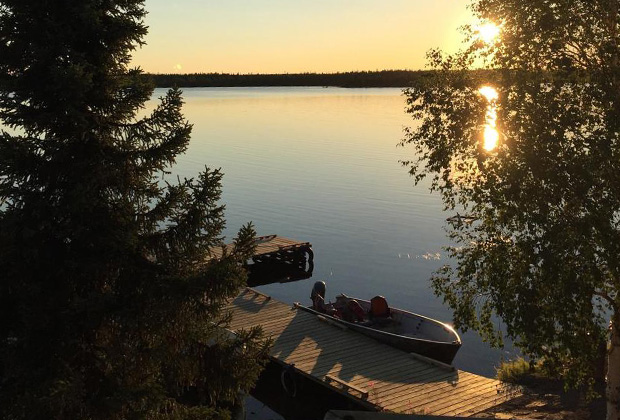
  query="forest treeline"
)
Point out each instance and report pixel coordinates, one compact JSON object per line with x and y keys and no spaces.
{"x":384,"y":78}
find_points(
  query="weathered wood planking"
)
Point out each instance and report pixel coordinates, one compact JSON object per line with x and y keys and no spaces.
{"x":374,"y":374}
{"x":267,"y":246}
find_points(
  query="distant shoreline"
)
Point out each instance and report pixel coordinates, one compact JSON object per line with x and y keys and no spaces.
{"x":358,"y":79}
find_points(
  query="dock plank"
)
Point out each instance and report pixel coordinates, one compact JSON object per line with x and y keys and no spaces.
{"x":366,"y":356}
{"x":474,"y":405}
{"x":414,"y":390}
{"x":307,"y":346}
{"x":330,"y":356}
{"x":418,"y":373}
{"x":449,"y":380}
{"x":427,"y":393}
{"x":250,"y":319}
{"x":388,"y":370}
{"x":265,"y":313}
{"x":437,"y":397}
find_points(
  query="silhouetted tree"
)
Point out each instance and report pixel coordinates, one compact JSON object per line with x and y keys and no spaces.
{"x":541,"y":242}
{"x":111,"y":304}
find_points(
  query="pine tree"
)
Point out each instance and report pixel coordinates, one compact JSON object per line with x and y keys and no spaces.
{"x":111,"y":306}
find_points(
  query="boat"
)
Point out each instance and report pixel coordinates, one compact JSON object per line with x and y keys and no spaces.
{"x":398,"y":328}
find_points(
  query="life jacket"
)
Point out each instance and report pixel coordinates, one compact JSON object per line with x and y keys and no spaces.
{"x":379,"y":307}
{"x":355,"y":310}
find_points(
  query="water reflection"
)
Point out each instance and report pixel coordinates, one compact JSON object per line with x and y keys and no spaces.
{"x":489,"y":92}
{"x":490,"y":135}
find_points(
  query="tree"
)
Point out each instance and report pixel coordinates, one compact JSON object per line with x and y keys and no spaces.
{"x":111,"y":305}
{"x":540,"y":242}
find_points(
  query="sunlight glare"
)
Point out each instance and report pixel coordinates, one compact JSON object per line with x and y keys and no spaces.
{"x":488,"y":32}
{"x":491,"y":138}
{"x":490,"y":135}
{"x":489,"y":93}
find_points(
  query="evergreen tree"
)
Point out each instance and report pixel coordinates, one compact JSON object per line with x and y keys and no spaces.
{"x":540,"y":245}
{"x":111,"y":306}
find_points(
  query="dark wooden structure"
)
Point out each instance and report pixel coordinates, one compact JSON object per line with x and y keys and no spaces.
{"x":276,"y":259}
{"x":272,"y":248}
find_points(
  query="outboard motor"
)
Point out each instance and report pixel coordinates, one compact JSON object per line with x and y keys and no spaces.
{"x":318,"y":290}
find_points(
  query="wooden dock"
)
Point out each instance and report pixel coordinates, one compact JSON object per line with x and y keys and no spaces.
{"x":273,"y":248}
{"x":373,"y":374}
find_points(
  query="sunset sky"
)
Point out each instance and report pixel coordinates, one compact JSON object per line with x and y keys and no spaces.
{"x":290,"y":36}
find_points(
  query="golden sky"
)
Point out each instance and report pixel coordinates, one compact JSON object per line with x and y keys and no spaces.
{"x":291,"y":36}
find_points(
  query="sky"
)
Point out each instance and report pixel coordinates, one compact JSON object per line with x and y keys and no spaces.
{"x":292,"y":36}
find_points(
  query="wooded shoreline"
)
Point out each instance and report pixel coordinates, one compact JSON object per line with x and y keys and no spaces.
{"x":357,"y":79}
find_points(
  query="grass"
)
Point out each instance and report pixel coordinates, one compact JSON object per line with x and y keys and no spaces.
{"x":514,"y":371}
{"x":521,"y":371}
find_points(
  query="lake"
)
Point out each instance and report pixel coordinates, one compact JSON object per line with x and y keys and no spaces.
{"x":322,"y":165}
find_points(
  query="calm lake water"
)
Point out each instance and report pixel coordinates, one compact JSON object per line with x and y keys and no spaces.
{"x":321,"y":165}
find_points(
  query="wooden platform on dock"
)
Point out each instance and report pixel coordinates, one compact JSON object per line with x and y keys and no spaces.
{"x":272,"y":247}
{"x":374,"y":374}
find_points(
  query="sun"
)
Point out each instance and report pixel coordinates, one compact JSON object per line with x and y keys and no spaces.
{"x":488,"y":32}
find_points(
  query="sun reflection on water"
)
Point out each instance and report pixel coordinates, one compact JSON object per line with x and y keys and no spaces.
{"x":489,"y":93}
{"x":490,"y":134}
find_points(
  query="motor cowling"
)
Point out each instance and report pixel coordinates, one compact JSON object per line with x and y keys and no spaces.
{"x":318,"y":289}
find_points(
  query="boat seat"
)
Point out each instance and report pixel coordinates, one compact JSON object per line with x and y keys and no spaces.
{"x":379,"y":308}
{"x":352,"y":311}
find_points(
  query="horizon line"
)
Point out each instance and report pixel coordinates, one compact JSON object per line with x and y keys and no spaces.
{"x":287,"y":73}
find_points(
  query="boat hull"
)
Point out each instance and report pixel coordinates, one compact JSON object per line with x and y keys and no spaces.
{"x":441,"y":351}
{"x":411,"y":338}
